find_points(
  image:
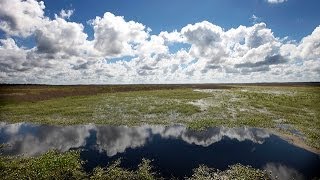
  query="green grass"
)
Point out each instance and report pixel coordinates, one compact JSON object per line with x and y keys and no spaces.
{"x":236,"y":171}
{"x":119,"y":108}
{"x":51,"y":165}
{"x":54,"y":165}
{"x":144,"y":172}
{"x":255,"y":106}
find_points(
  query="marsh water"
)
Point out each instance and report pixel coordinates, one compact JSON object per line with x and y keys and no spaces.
{"x":175,"y":150}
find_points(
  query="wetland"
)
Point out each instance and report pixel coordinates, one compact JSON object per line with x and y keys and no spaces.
{"x":162,"y":131}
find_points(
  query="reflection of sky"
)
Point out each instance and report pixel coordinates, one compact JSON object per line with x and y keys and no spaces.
{"x":33,"y":139}
{"x":30,"y":140}
{"x":282,"y":172}
{"x":117,"y":139}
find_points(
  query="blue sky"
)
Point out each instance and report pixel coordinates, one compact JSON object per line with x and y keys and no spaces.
{"x":294,"y":18}
{"x":80,"y":41}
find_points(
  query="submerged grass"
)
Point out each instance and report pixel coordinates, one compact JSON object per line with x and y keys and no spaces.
{"x":54,"y":165}
{"x":255,"y":106}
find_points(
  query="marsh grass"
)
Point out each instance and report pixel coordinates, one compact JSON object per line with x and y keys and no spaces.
{"x":104,"y":108}
{"x":236,"y":171}
{"x":51,"y":165}
{"x":144,"y":172}
{"x":255,"y":106}
{"x":54,"y":165}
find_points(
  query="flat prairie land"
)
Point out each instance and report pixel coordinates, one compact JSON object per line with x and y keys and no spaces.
{"x":290,"y":109}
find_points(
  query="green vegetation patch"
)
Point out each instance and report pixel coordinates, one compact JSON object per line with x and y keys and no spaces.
{"x":54,"y":165}
{"x":51,"y":165}
{"x":110,"y":108}
{"x":114,"y":171}
{"x":256,"y":106}
{"x":236,"y":171}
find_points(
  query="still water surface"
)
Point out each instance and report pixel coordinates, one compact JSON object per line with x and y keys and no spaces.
{"x":175,"y":150}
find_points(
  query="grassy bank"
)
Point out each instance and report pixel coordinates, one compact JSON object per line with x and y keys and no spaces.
{"x":53,"y":165}
{"x":294,"y":110}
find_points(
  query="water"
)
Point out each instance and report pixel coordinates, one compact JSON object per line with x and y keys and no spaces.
{"x":175,"y":150}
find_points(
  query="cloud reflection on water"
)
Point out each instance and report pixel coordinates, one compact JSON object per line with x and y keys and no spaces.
{"x":279,"y":171}
{"x":32,"y":140}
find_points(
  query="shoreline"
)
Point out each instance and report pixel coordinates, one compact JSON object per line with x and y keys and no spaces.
{"x":294,"y":140}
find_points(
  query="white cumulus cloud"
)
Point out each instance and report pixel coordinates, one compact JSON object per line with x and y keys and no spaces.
{"x":21,"y":18}
{"x":125,"y":51}
{"x":276,"y":1}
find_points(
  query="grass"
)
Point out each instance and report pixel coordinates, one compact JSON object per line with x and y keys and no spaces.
{"x":297,"y":107}
{"x":236,"y":171}
{"x":54,"y":165}
{"x":119,"y":108}
{"x":51,"y":165}
{"x":114,"y":171}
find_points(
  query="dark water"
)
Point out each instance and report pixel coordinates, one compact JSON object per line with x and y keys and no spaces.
{"x":175,"y":150}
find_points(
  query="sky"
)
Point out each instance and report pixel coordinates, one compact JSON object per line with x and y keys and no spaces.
{"x":143,"y":41}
